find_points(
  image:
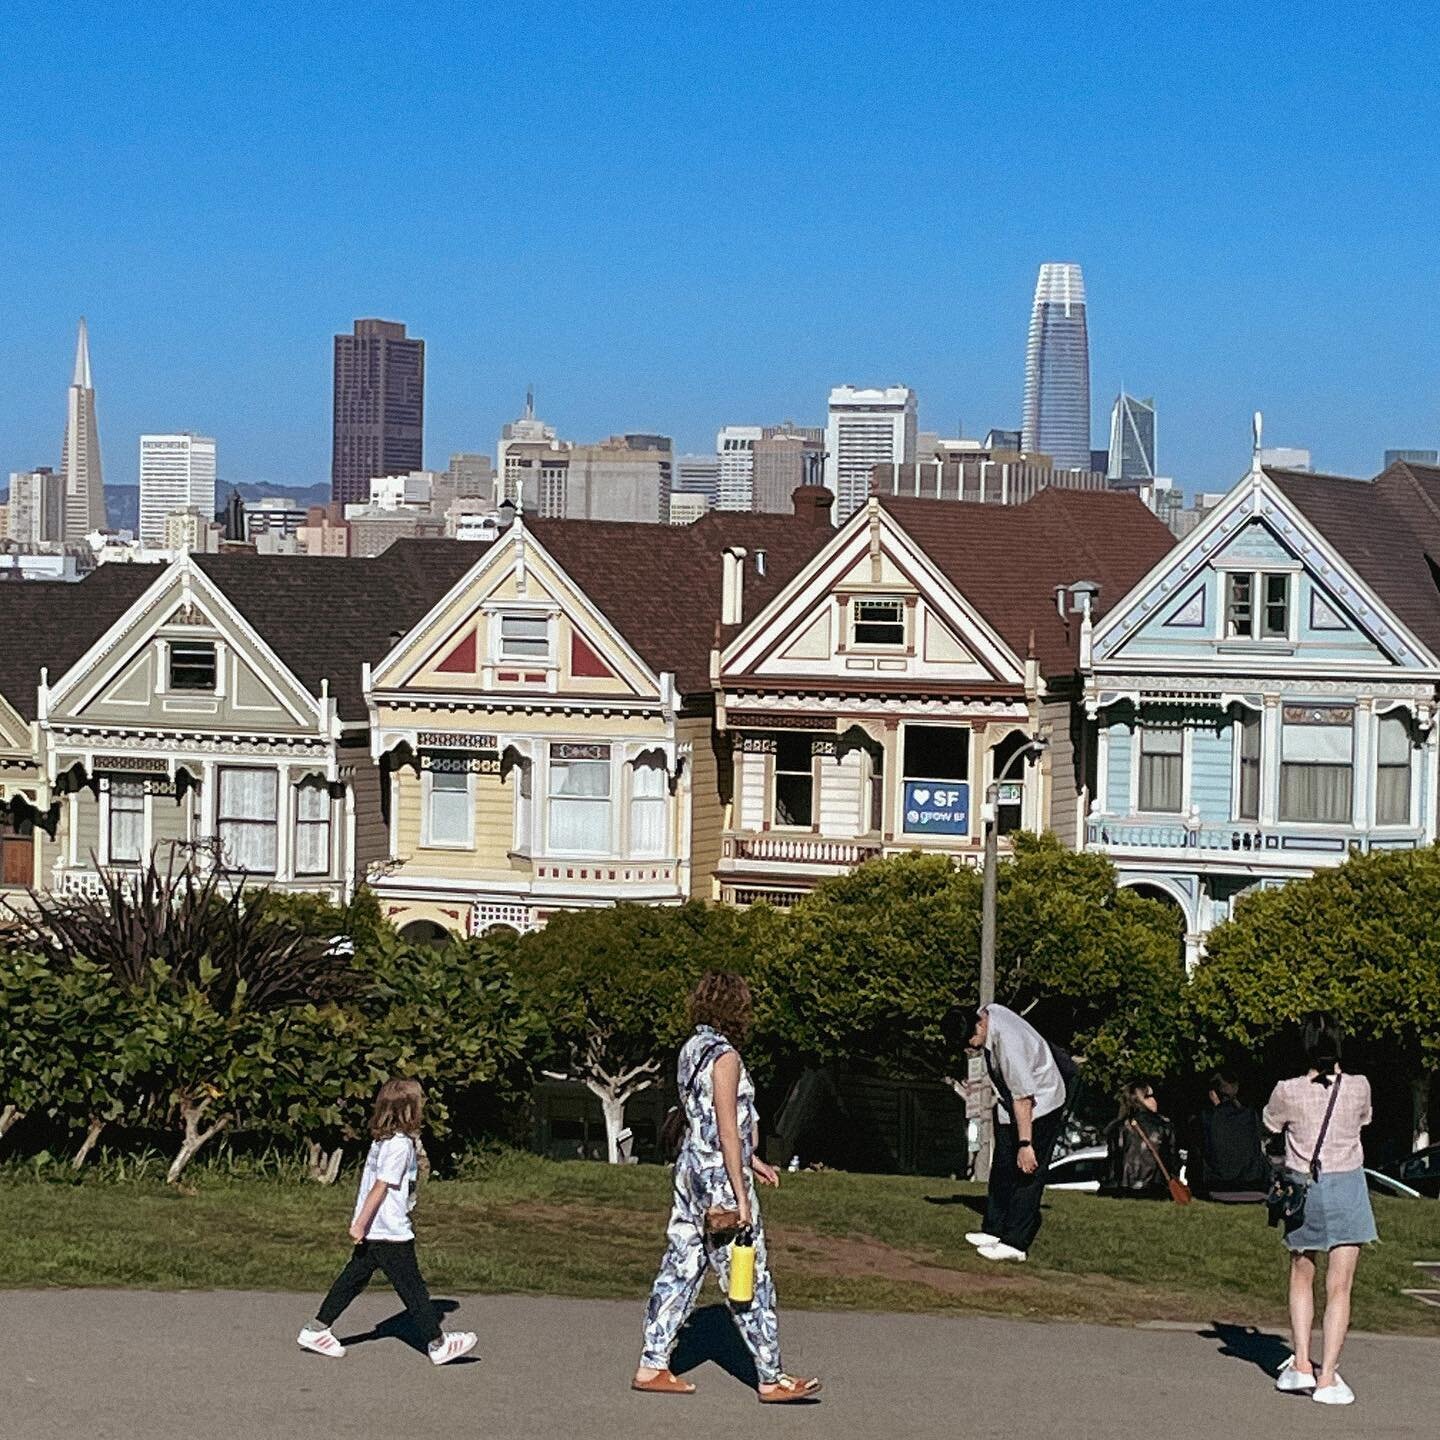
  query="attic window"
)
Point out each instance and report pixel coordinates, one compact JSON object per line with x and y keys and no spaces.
{"x":524,"y":637}
{"x":879,"y":621}
{"x":192,"y":665}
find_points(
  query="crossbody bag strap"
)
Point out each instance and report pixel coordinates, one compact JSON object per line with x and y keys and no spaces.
{"x":1139,"y":1129}
{"x":1324,"y":1126}
{"x":693,"y":1088}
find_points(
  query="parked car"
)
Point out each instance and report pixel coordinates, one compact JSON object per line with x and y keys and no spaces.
{"x":1381,"y":1184}
{"x":1082,"y":1169}
{"x":1420,"y":1171}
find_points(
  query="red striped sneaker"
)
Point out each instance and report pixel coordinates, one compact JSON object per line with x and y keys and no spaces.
{"x":322,"y":1342}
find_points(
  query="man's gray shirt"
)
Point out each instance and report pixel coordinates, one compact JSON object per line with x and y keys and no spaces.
{"x":1019,"y":1052}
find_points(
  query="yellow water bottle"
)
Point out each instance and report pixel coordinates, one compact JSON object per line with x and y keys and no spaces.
{"x":742,"y":1266}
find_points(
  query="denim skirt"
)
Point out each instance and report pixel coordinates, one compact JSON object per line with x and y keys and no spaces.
{"x":1337,"y":1212}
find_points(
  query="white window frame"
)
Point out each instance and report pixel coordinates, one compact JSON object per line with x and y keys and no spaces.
{"x":106,"y":822}
{"x":1334,"y":826}
{"x":427,"y":836}
{"x":660,"y":802}
{"x":1236,"y":760}
{"x":1137,"y":749}
{"x":773,"y":787}
{"x":171,"y":688}
{"x":221,"y":820}
{"x":611,"y":849}
{"x":1402,"y":715}
{"x":1259,"y":575}
{"x":543,"y":617}
{"x":297,"y":822}
{"x":888,"y":646}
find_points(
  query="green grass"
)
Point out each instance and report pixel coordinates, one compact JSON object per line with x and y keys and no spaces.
{"x":838,"y":1242}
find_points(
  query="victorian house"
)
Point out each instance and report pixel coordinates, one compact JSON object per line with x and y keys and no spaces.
{"x":219,"y":718}
{"x":866,"y":707}
{"x":1265,"y":696}
{"x":545,"y":731}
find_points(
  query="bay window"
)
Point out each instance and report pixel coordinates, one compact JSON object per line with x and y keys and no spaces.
{"x":249,"y":819}
{"x":126,"y":825}
{"x":1162,"y":769}
{"x":935,"y":785}
{"x":312,"y":830}
{"x":445,"y":792}
{"x":579,"y":804}
{"x":649,"y":809}
{"x":1392,"y":770}
{"x":1317,"y":750}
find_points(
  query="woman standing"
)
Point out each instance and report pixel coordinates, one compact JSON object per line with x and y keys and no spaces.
{"x":1140,"y":1134}
{"x":716,"y":1169}
{"x":1322,"y":1113}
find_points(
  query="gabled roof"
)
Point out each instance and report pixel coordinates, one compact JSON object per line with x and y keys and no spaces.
{"x":1007,"y":560}
{"x":1387,"y":530}
{"x":50,"y":624}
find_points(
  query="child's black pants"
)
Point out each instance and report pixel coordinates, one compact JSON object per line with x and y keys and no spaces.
{"x":397,"y":1259}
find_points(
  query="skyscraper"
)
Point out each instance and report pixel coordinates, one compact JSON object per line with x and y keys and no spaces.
{"x":1057,"y":370}
{"x":786,"y":456}
{"x":698,"y":475}
{"x":1132,"y":442}
{"x":534,"y":465}
{"x":866,"y":428}
{"x":177,"y":472}
{"x":37,"y":506}
{"x":627,"y":477}
{"x":80,"y":454}
{"x":379,"y":408}
{"x":735,"y":450}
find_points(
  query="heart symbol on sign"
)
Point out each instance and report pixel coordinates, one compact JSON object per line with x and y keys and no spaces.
{"x":921,"y":796}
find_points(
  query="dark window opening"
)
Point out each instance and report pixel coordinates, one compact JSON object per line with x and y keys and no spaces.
{"x":192,"y":665}
{"x":794,"y":780}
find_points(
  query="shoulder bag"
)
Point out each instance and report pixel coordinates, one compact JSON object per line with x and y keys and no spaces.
{"x":1285,"y":1200}
{"x":1179,"y":1190}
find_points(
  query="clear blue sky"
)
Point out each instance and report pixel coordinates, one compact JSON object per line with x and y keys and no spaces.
{"x":669,"y":218}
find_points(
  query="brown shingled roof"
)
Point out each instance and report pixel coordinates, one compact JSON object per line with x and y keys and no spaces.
{"x":1007,"y":560}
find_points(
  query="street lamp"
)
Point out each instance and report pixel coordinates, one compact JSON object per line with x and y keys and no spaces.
{"x":1030,"y":752}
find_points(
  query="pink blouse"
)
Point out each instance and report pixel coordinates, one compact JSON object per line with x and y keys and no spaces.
{"x":1298,"y":1108}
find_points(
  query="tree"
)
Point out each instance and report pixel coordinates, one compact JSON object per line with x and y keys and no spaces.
{"x":611,"y":986}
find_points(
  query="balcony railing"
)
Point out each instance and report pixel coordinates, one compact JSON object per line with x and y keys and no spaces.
{"x":1123,"y":834}
{"x":800,"y":849}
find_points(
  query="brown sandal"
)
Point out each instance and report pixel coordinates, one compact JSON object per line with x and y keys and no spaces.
{"x":787,"y":1388}
{"x":663,"y":1384}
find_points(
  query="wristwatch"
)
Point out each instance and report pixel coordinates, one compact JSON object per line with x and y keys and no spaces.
{"x":1024,"y":1145}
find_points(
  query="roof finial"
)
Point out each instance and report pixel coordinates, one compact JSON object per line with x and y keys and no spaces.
{"x":1257,"y":430}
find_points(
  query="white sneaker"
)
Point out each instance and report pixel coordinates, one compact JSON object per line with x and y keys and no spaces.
{"x":452,"y":1346}
{"x":1337,"y":1394}
{"x":1000,"y":1251}
{"x":980,"y":1237}
{"x":322,"y":1342}
{"x":1290,"y":1381}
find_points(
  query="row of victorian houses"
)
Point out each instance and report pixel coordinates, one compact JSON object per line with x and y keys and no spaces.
{"x":583,"y":712}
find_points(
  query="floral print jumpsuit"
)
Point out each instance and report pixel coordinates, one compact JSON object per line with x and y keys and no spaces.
{"x":700,"y":1182}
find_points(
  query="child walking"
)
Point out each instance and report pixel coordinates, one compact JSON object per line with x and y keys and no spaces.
{"x":381,"y":1229}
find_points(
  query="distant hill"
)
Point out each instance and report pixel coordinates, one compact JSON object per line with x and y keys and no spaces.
{"x":122,"y":502}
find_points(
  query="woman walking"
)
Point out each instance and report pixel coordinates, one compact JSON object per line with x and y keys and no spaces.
{"x":714,"y":1196}
{"x":1322,"y":1113}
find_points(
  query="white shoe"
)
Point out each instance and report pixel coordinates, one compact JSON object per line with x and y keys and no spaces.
{"x":1337,"y":1394}
{"x":981,"y":1237}
{"x":452,"y":1346}
{"x":1290,"y":1381}
{"x":322,"y":1342}
{"x":1000,"y":1251}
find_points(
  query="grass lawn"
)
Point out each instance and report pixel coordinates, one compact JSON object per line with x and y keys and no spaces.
{"x":838,"y":1241}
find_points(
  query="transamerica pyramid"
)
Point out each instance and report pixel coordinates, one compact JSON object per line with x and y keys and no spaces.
{"x":80,"y":456}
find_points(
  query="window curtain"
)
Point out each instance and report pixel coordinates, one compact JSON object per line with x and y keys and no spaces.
{"x":1162,"y":764}
{"x":1316,"y":775}
{"x":127,"y":821}
{"x":312,"y":830}
{"x":1250,"y":766}
{"x":449,"y":806}
{"x":249,"y":830}
{"x":1392,"y":771}
{"x":580,"y":807}
{"x":649,"y":810}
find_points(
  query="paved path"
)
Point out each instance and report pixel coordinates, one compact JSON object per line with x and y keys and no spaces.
{"x":124,"y":1365}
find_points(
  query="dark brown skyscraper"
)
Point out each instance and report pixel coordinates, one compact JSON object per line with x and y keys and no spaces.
{"x":379,"y":407}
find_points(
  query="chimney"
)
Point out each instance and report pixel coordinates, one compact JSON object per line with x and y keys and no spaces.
{"x":732,"y":592}
{"x":812,"y":504}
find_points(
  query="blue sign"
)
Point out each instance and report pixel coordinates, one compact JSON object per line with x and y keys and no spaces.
{"x":937,"y":807}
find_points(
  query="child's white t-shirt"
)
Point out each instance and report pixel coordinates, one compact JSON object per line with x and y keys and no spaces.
{"x":396,"y":1162}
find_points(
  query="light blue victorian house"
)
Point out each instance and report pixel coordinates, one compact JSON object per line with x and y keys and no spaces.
{"x":1264,"y":700}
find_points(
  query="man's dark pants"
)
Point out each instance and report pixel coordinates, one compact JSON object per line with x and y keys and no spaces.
{"x":396,"y":1258}
{"x":1012,"y":1208}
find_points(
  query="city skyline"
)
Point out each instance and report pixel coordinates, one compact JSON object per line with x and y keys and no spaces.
{"x":1201,"y":281}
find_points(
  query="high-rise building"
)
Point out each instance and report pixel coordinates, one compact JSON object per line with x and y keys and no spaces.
{"x":379,"y":407}
{"x":533,"y":465}
{"x":470,"y":477}
{"x":866,"y":428}
{"x":1057,"y":370}
{"x":735,"y":450}
{"x":785,"y":456}
{"x":1283,"y":457}
{"x":37,"y":506}
{"x":194,"y":530}
{"x":1411,"y":457}
{"x":176,"y":473}
{"x":627,"y":477}
{"x":698,"y":475}
{"x":80,"y":454}
{"x":1131,"y":459}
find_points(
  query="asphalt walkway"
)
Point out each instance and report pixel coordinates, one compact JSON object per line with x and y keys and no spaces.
{"x":125,"y":1365}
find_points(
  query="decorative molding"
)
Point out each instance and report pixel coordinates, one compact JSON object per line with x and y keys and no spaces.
{"x":456,"y":740}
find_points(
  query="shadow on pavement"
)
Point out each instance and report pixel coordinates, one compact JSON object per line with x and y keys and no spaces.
{"x":1244,"y":1342}
{"x":970,"y":1202}
{"x":710,"y":1334}
{"x":399,"y":1327}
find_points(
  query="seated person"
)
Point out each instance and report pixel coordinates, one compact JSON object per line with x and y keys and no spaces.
{"x":1229,"y":1163}
{"x":1133,"y":1168}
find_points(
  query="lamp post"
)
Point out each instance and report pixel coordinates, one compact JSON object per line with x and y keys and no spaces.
{"x":1030,"y":752}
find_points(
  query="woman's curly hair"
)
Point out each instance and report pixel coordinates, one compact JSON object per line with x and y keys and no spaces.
{"x":722,"y":1001}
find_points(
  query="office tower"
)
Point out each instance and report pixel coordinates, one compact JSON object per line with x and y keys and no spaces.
{"x":533,"y":465}
{"x":176,"y":472}
{"x":235,"y":517}
{"x":1007,"y":440}
{"x":80,"y":455}
{"x":1057,"y":370}
{"x":192,"y":529}
{"x":1283,"y":457}
{"x":37,"y":506}
{"x":698,"y":475}
{"x":686,"y":507}
{"x":379,"y":407}
{"x":1411,"y":457}
{"x":627,"y":477}
{"x":784,"y":457}
{"x":866,"y":428}
{"x":470,"y":477}
{"x":735,"y":450}
{"x":1131,"y":459}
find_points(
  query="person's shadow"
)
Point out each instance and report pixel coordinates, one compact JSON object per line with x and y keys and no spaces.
{"x":1244,"y":1342}
{"x":977,"y":1203}
{"x":710,"y":1334}
{"x":400,"y":1327}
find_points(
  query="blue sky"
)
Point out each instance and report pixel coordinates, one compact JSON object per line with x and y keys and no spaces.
{"x":672,"y":217}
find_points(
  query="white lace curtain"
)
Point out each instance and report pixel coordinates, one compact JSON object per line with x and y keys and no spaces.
{"x":649,"y":809}
{"x":248,"y":820}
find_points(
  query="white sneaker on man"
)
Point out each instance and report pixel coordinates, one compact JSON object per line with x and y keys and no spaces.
{"x":978,"y":1238}
{"x":452,"y":1346}
{"x":322,"y":1342}
{"x":1337,"y":1394}
{"x":1291,"y":1381}
{"x":1001,"y":1251}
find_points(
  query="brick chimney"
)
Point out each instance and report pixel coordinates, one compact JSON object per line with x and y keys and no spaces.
{"x":812,"y":504}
